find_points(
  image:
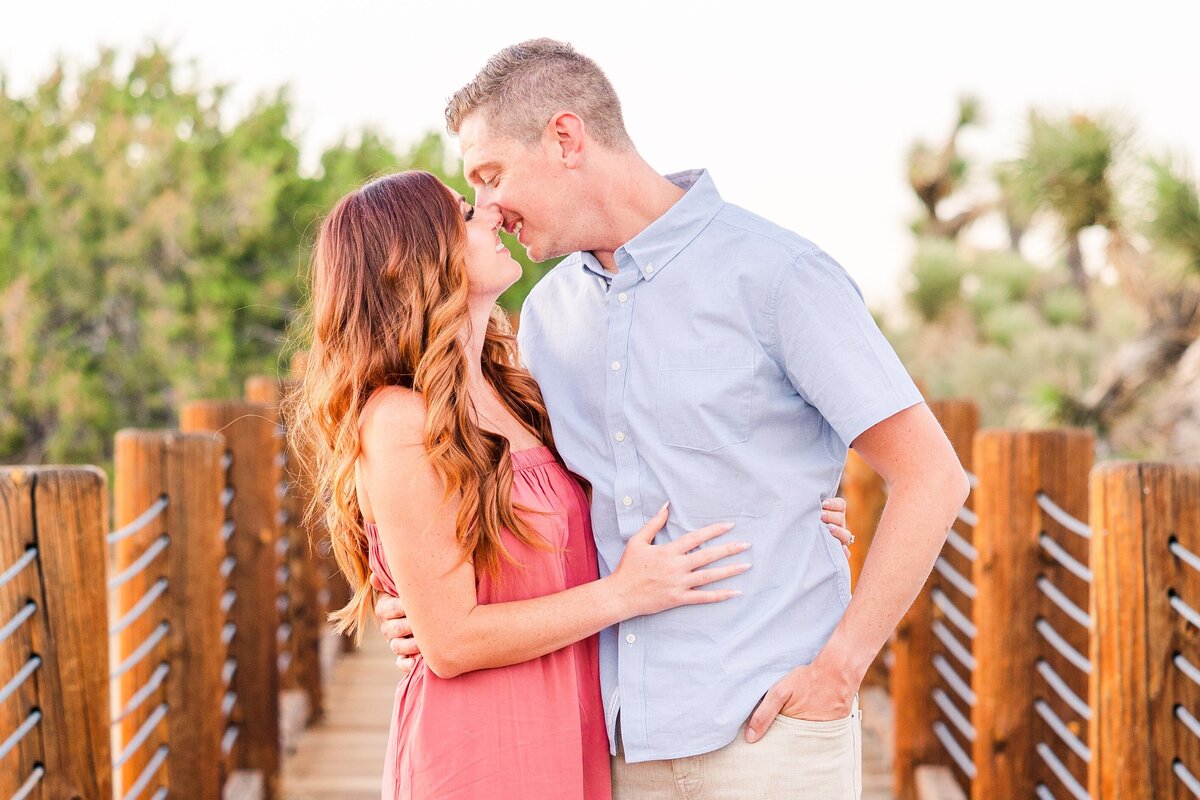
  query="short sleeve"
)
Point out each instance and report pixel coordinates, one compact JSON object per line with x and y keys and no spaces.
{"x":834,"y":354}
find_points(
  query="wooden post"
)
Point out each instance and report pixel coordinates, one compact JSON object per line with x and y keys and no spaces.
{"x":252,"y":617}
{"x":52,"y":607}
{"x":1146,"y":652}
{"x":185,"y":470}
{"x":1012,"y":468}
{"x":305,"y":618}
{"x":913,"y":678}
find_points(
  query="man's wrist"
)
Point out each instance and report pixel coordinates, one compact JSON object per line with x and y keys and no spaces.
{"x":845,"y":664}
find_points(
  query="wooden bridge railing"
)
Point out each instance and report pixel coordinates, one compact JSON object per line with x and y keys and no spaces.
{"x":1045,"y":658}
{"x":54,"y":715}
{"x":213,"y":602}
{"x":165,"y":628}
{"x":1145,"y":695}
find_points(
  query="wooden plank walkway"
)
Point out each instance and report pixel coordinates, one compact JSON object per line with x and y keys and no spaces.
{"x":342,"y":756}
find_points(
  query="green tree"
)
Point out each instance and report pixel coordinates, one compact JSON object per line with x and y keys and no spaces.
{"x":155,"y":248}
{"x":1054,"y":343}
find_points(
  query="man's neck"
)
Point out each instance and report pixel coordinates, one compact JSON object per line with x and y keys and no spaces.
{"x":635,"y":197}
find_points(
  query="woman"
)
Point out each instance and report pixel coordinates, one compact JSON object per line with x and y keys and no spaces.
{"x":436,"y":462}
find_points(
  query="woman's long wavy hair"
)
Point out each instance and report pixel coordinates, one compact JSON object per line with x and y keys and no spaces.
{"x":388,"y":306}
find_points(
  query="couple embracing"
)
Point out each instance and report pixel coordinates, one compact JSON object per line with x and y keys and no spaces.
{"x":611,"y":542}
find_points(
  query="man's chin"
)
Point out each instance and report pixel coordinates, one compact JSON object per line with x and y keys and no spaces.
{"x":539,"y":254}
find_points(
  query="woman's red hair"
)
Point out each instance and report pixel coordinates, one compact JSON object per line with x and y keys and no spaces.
{"x":388,"y":307}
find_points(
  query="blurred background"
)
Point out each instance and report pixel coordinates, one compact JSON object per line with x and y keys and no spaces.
{"x":1013,"y":185}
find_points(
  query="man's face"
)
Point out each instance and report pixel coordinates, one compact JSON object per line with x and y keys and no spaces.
{"x":525,"y":183}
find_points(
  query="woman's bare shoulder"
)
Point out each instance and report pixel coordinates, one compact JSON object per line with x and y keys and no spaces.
{"x":392,"y":415}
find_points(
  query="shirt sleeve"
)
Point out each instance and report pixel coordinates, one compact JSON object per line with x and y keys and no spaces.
{"x":834,"y":354}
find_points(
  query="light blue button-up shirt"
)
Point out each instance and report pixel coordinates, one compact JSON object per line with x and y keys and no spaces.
{"x":726,"y":366}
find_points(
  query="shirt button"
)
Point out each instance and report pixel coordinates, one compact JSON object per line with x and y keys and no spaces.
{"x":649,"y":268}
{"x":622,"y":297}
{"x":627,"y":500}
{"x":619,"y":436}
{"x":631,"y":638}
{"x":616,"y":365}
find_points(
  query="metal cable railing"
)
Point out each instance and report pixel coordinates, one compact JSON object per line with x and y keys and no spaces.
{"x":30,"y":666}
{"x":147,"y":774}
{"x":955,"y":578}
{"x":156,"y":590}
{"x":31,"y":783}
{"x":1186,"y":777}
{"x":142,"y":520}
{"x":283,"y":573}
{"x":960,"y":652}
{"x":1183,"y":609}
{"x":960,"y":687}
{"x":961,"y":758}
{"x":951,"y":612}
{"x":1063,"y":690}
{"x":1061,"y":729}
{"x":1064,"y":559}
{"x":1059,"y":515}
{"x":27,"y":558}
{"x":960,"y":721}
{"x":153,"y":684}
{"x":15,"y":738}
{"x":23,"y":613}
{"x":229,"y":701}
{"x":965,"y":548}
{"x":27,"y":671}
{"x":1060,"y":770}
{"x":1062,"y":646}
{"x":144,"y":692}
{"x":1063,"y":603}
{"x":1183,"y":554}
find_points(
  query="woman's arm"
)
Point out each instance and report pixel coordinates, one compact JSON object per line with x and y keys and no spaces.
{"x":438,"y":588}
{"x":394,"y":625}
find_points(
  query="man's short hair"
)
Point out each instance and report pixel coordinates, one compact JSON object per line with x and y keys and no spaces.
{"x":524,"y":85}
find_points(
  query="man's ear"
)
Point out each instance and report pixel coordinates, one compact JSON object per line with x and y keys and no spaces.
{"x":568,"y":131}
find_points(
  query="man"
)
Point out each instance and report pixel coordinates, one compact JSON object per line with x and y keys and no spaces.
{"x":691,"y":351}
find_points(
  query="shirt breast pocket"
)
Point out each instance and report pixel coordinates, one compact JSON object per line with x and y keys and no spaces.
{"x":705,"y":396}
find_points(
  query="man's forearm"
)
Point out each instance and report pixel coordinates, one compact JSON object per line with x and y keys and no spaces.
{"x":911,"y":532}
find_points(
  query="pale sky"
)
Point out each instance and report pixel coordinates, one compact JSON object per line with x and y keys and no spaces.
{"x":803,"y":112}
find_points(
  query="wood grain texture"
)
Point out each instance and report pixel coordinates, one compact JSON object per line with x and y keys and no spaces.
{"x":250,"y":435}
{"x":63,"y":512}
{"x":1139,"y":509}
{"x":186,"y":468}
{"x":1012,"y":467}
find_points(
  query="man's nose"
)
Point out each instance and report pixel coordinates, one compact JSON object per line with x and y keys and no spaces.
{"x":483,"y":196}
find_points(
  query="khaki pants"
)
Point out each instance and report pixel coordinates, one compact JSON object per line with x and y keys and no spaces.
{"x":795,"y":759}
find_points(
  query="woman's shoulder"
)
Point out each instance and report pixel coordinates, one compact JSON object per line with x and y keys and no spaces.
{"x":393,"y":415}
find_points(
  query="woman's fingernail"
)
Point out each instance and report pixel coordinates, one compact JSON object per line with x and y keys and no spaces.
{"x":664,"y":506}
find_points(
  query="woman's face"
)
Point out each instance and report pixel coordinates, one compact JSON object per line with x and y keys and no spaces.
{"x":490,"y":267}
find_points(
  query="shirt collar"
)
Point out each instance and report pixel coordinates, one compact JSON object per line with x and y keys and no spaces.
{"x":657,"y":245}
